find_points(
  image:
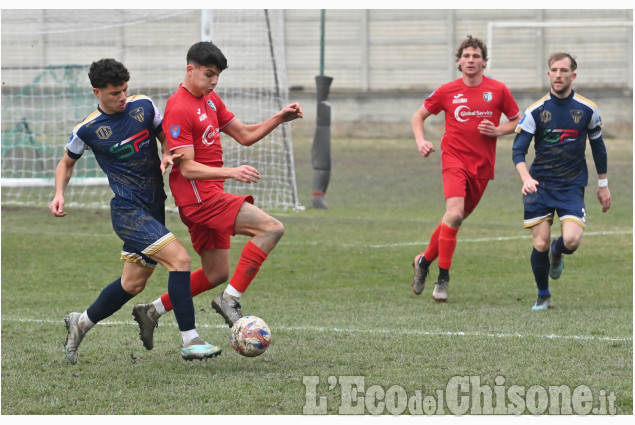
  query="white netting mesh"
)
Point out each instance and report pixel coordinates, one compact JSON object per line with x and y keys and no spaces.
{"x":45,"y":90}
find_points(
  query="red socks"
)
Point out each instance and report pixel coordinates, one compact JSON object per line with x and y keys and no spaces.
{"x":248,"y":265}
{"x":432,"y":252}
{"x":447,"y":244}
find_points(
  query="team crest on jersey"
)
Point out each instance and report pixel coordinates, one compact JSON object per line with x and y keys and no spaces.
{"x":576,"y":115}
{"x":175,"y":131}
{"x":137,"y":114}
{"x":211,"y":105}
{"x":103,"y":132}
{"x":545,"y":116}
{"x":487,"y":96}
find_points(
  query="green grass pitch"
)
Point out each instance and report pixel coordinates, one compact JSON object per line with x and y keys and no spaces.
{"x":336,"y":294}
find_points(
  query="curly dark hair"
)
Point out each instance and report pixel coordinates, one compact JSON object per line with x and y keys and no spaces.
{"x":107,"y":71}
{"x":470,"y":41}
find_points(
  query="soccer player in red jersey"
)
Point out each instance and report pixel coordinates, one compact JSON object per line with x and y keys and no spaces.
{"x":473,"y":105}
{"x":193,"y":119}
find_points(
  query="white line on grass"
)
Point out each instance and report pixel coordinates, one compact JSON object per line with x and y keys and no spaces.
{"x":490,"y":239}
{"x":349,"y":245}
{"x":366,"y":331}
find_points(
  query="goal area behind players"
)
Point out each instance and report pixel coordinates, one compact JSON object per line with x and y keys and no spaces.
{"x":45,"y":59}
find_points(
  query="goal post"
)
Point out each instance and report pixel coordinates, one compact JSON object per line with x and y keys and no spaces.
{"x":45,"y":59}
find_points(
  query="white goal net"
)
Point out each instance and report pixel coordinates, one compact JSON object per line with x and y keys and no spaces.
{"x":45,"y":91}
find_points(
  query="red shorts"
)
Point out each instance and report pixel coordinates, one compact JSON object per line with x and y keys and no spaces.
{"x":211,"y":223}
{"x":458,"y":184}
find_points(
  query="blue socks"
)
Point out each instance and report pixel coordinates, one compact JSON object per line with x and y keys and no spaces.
{"x":111,"y":299}
{"x":181,"y":297}
{"x":540,"y":267}
{"x":561,"y":249}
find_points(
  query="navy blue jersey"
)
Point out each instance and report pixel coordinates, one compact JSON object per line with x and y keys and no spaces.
{"x":560,"y":128}
{"x":125,"y":147}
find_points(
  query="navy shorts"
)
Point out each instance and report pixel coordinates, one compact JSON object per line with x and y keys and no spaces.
{"x":141,"y":229}
{"x":544,"y":204}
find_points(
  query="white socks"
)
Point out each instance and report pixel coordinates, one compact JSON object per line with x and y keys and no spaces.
{"x":230,"y":290}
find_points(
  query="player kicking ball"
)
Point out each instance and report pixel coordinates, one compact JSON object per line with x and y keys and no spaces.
{"x":194,"y":118}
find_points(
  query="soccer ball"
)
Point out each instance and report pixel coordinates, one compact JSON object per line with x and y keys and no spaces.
{"x":250,"y":336}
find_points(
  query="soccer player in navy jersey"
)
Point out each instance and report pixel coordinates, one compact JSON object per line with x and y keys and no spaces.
{"x":559,"y":123}
{"x":122,"y":134}
{"x":473,"y":105}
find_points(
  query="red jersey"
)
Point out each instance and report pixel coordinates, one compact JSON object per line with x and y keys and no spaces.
{"x":462,"y":145}
{"x":195,"y":121}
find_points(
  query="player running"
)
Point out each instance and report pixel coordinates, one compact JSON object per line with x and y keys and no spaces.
{"x":559,"y":123}
{"x":122,"y":134}
{"x":194,"y":117}
{"x":473,"y":105}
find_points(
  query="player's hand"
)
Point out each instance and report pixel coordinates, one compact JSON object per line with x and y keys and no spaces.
{"x":604,"y":196}
{"x":292,"y":112}
{"x":488,"y":128}
{"x":245,"y":173}
{"x":57,"y":207}
{"x":425,"y":147}
{"x":167,"y":160}
{"x":529,"y":186}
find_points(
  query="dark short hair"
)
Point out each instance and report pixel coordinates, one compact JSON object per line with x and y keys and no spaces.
{"x":562,"y":55}
{"x":206,"y":53}
{"x":470,"y":41}
{"x":107,"y":71}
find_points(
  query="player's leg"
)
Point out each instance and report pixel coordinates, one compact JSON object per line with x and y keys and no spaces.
{"x":109,"y":301}
{"x":148,"y":315}
{"x":448,"y":229}
{"x":175,"y":258}
{"x":539,"y":259}
{"x":421,"y":262}
{"x":572,"y":213}
{"x":265,"y":232}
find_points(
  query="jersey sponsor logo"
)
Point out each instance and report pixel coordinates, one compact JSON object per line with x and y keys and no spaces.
{"x":209,"y":135}
{"x":211,"y":105}
{"x":175,"y":131}
{"x":138,"y":114}
{"x":487,"y":96}
{"x":459,"y":98}
{"x":576,"y":115}
{"x":131,"y":145}
{"x":464,"y":113}
{"x":560,"y":135}
{"x":103,"y":132}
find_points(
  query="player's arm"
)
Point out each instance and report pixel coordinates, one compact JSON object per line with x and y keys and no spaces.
{"x":488,"y":128}
{"x":167,"y":157}
{"x":63,"y":174}
{"x":193,"y":170}
{"x":519,"y":152}
{"x":417,"y":123}
{"x":248,"y":134}
{"x":600,"y":158}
